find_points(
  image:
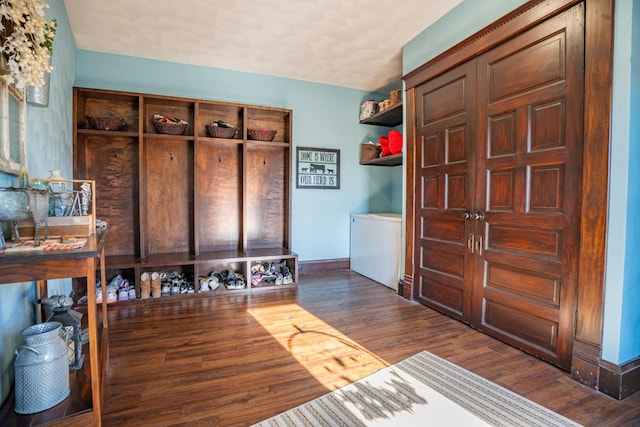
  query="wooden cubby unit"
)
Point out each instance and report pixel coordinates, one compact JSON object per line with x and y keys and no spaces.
{"x":190,"y":203}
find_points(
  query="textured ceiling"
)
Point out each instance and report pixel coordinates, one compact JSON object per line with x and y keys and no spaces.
{"x":350,"y":43}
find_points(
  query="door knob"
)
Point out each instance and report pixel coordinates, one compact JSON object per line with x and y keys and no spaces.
{"x":467,"y":215}
{"x":479,"y":216}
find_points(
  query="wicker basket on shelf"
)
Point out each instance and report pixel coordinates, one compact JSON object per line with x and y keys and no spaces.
{"x":221,"y":132}
{"x":169,"y":125}
{"x":106,"y":122}
{"x":262,"y":134}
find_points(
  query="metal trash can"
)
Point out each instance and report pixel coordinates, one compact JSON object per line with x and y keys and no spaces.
{"x":41,"y":369}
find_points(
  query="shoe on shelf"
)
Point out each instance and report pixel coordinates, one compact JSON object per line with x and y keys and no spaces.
{"x":191,"y":289}
{"x":166,"y":289}
{"x":268,"y":278}
{"x":123,"y":294}
{"x":204,"y":283}
{"x":112,"y":295}
{"x":145,"y":285}
{"x":98,"y":295}
{"x":217,"y":275}
{"x":213,"y":283}
{"x":116,"y":281}
{"x":156,"y":292}
{"x":175,"y":287}
{"x":287,"y":278}
{"x":240,"y":283}
{"x":132,"y":292}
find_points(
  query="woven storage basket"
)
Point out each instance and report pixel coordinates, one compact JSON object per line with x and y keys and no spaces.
{"x":106,"y":122}
{"x":220,"y":132}
{"x":170,"y":128}
{"x":369,"y":152}
{"x":262,"y":135}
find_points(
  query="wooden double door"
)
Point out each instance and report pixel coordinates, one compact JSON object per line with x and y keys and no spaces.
{"x":498,"y":156}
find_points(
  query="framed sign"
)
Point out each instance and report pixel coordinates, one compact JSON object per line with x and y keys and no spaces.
{"x":317,"y":168}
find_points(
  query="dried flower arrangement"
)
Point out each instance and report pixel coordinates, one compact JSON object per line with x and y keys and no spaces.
{"x":27,"y":41}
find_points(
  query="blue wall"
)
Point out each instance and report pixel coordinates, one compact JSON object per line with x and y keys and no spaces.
{"x":49,"y":146}
{"x":630,"y":335}
{"x":462,"y":21}
{"x":621,"y":339}
{"x":323,"y":116}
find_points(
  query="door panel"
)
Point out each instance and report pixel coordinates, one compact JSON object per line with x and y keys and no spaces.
{"x":500,"y":138}
{"x":528,"y":169}
{"x":444,"y":157}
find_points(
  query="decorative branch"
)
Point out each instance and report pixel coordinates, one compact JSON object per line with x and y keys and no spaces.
{"x":27,"y":41}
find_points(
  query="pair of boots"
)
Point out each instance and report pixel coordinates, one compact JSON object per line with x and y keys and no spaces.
{"x":150,"y":285}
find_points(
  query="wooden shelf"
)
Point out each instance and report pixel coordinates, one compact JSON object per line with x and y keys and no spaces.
{"x":392,"y":160}
{"x":84,"y":405}
{"x":392,"y":116}
{"x":109,"y":133}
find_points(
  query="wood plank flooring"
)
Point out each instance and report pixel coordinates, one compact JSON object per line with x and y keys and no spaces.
{"x":234,"y":359}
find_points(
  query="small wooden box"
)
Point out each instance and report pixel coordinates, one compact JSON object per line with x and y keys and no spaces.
{"x":369,"y":152}
{"x":74,"y":225}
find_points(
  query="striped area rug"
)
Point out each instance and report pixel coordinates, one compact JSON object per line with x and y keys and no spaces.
{"x":423,"y":390}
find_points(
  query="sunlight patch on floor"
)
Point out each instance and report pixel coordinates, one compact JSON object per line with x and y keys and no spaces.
{"x":327,"y":354}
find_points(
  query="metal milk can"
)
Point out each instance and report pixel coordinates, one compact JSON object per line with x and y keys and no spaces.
{"x":41,"y":369}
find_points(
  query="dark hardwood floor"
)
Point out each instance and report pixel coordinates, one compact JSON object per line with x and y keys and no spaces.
{"x":237,"y":358}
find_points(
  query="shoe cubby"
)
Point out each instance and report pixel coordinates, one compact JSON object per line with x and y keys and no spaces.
{"x":272,"y":272}
{"x":192,"y":203}
{"x":222,"y":275}
{"x":172,"y":280}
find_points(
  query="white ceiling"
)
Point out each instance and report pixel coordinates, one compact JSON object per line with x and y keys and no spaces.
{"x":350,"y":43}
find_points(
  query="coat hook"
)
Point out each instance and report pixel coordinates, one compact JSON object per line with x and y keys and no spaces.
{"x":264,"y":161}
{"x":171,"y":156}
{"x":115,"y":155}
{"x":219,"y":159}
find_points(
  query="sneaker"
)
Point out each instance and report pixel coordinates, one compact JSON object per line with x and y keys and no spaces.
{"x":99,"y":296}
{"x":116,"y":282}
{"x":132,"y":292}
{"x":166,"y":289}
{"x":191,"y":289}
{"x":287,"y":278}
{"x":204,"y":284}
{"x":268,"y":278}
{"x":123,"y":294}
{"x":240,"y":281}
{"x":112,"y":296}
{"x":175,"y":287}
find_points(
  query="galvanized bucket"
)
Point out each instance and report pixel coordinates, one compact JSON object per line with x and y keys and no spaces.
{"x":41,"y":369}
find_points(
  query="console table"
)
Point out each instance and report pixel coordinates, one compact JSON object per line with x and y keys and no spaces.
{"x":34,"y":266}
